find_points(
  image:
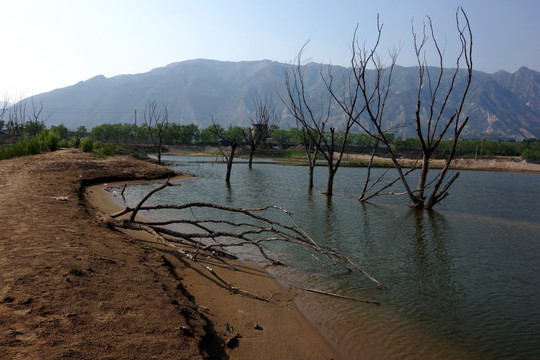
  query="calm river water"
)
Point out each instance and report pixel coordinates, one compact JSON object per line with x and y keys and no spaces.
{"x":464,"y":280}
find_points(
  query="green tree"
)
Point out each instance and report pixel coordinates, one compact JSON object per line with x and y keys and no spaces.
{"x":81,"y":131}
{"x":210,"y":134}
{"x":281,"y":137}
{"x":61,"y":131}
{"x":182,"y":134}
{"x":231,"y":138}
{"x":128,"y":131}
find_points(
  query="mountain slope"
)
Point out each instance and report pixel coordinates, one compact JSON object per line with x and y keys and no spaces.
{"x":500,"y":105}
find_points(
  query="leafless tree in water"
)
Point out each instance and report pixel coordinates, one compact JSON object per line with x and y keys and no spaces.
{"x":156,"y":119}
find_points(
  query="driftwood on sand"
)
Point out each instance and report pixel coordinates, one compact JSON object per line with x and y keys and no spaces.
{"x":202,"y":238}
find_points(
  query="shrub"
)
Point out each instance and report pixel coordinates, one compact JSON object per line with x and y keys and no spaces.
{"x":530,"y":155}
{"x":65,"y":143}
{"x":75,"y":270}
{"x":87,"y":145}
{"x":48,"y":140}
{"x":111,"y":149}
{"x":32,"y":145}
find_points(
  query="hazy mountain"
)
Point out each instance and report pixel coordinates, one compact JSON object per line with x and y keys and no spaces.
{"x":500,"y":105}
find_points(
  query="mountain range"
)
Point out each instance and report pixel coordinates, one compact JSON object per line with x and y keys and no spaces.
{"x":500,"y":106}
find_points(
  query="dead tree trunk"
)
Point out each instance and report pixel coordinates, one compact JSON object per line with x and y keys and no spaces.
{"x":230,"y":160}
{"x":263,"y":118}
{"x":314,"y":116}
{"x":157,"y":121}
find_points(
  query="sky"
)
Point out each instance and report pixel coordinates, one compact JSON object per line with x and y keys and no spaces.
{"x":56,"y":43}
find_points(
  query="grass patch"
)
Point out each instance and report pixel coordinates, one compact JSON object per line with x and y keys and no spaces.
{"x":145,"y":246}
{"x":75,"y":270}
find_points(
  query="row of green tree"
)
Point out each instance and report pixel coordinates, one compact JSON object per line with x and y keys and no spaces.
{"x":190,"y":134}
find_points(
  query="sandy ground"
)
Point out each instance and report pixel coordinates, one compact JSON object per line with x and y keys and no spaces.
{"x":510,"y":164}
{"x":72,"y":289}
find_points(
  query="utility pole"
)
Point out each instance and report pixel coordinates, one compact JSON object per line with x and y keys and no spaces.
{"x":135,"y":117}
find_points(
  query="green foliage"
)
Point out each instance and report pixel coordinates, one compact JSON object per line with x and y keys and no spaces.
{"x":33,"y":128}
{"x":87,"y":144}
{"x":21,"y":148}
{"x":56,"y":137}
{"x":294,"y":135}
{"x":81,"y":131}
{"x":529,"y":154}
{"x":233,"y":134}
{"x":145,"y":246}
{"x":210,"y":134}
{"x":281,"y":137}
{"x":75,"y":270}
{"x":67,"y":143}
{"x":48,"y":140}
{"x":61,"y":131}
{"x":109,"y":149}
{"x":135,"y":154}
{"x":181,"y":134}
{"x":360,"y":140}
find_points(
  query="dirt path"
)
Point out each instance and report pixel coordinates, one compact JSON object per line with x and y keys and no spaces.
{"x":124,"y":306}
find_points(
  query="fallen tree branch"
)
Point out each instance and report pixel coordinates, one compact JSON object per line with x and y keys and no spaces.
{"x":211,"y":236}
{"x":334,"y":295}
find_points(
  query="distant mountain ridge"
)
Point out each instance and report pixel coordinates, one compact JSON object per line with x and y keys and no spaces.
{"x":500,"y":105}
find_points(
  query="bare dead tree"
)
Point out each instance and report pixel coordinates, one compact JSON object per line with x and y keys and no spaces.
{"x":25,"y":118}
{"x":211,"y":236}
{"x":369,"y":94}
{"x":312,"y":152}
{"x":231,"y":138}
{"x":3,"y":111}
{"x":432,"y":127}
{"x":156,"y":120}
{"x":433,"y":121}
{"x":314,"y":117}
{"x":263,"y":117}
{"x":36,"y":119}
{"x":16,"y":119}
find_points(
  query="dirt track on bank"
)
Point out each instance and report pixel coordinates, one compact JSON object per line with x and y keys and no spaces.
{"x":125,"y":305}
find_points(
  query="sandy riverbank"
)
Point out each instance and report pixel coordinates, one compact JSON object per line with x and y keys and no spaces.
{"x":70,"y":288}
{"x":285,"y":333}
{"x":497,"y":163}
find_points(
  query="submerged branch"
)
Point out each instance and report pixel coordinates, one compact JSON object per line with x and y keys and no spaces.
{"x":316,"y":291}
{"x":210,"y":237}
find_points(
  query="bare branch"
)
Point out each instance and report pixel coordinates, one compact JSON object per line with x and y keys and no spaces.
{"x":215,"y":235}
{"x":157,"y":121}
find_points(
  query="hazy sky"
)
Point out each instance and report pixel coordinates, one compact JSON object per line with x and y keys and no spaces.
{"x":48,"y":44}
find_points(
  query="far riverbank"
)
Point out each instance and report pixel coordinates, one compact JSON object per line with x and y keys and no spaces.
{"x":496,"y":163}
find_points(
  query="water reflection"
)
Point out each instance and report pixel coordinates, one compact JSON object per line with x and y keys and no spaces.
{"x":432,"y":272}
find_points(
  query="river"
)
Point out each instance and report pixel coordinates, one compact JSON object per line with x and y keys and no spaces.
{"x":463,"y":280}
